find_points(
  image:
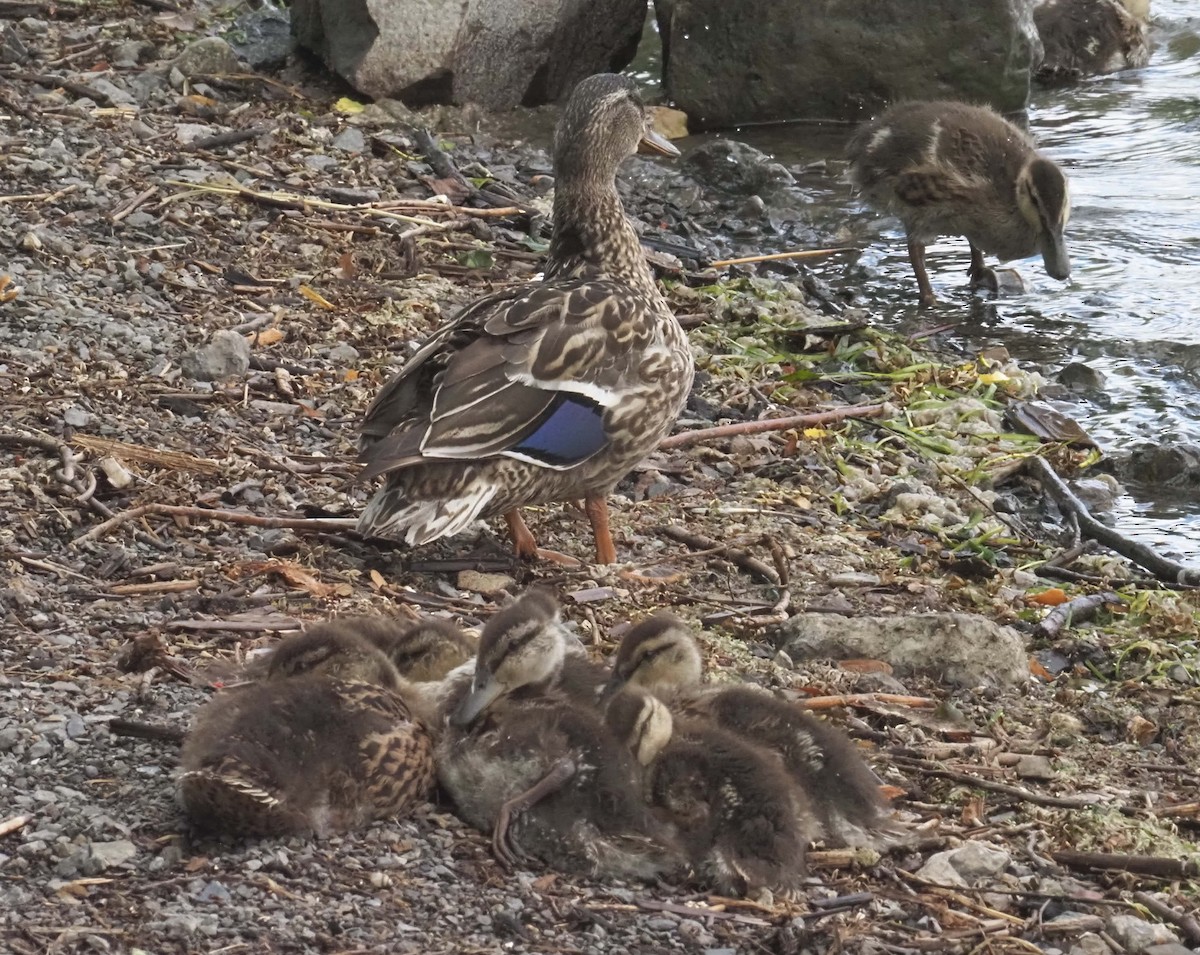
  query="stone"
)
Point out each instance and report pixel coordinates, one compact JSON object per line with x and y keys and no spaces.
{"x":1138,"y":935}
{"x":487,"y":584}
{"x":1082,"y":378}
{"x":263,"y":37}
{"x":1173,"y":464}
{"x":1089,"y":943}
{"x":108,"y":854}
{"x":350,"y":140}
{"x":496,"y":53}
{"x":207,"y":55}
{"x":762,"y":60}
{"x":967,"y":865}
{"x":735,"y":167}
{"x":227,"y":354}
{"x":12,"y":49}
{"x":1032,"y":766}
{"x":1169,"y":948}
{"x":937,"y":868}
{"x":962,"y":649}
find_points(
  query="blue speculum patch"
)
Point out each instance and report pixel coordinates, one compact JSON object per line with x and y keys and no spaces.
{"x":570,"y":430}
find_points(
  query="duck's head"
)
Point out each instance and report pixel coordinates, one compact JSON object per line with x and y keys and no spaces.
{"x":1045,"y":203}
{"x":659,"y":654}
{"x":602,"y":125}
{"x":336,"y":651}
{"x":428,"y":649}
{"x":521,"y":646}
{"x":640,"y":721}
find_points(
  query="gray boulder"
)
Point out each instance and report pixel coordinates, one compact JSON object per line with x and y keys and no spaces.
{"x":760,"y":60}
{"x":496,"y":53}
{"x":963,"y":649}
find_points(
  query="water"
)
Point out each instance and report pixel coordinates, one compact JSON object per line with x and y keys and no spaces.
{"x":1130,"y":144}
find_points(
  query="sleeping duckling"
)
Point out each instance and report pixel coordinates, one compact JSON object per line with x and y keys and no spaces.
{"x":325,"y":743}
{"x":738,"y":814}
{"x":947,"y":168}
{"x":660,"y":655}
{"x":522,"y":758}
{"x":1084,"y":37}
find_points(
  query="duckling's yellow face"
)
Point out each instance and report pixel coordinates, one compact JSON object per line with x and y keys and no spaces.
{"x":641,"y":721}
{"x":521,"y":646}
{"x":658,"y":654}
{"x":1045,"y":203}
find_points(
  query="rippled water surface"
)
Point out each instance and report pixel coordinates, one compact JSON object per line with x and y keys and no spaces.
{"x":1130,"y":144}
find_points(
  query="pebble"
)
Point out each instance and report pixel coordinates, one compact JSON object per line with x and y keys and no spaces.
{"x":226,"y":355}
{"x":350,"y":140}
{"x":1137,"y":935}
{"x":209,"y":54}
{"x":107,"y":854}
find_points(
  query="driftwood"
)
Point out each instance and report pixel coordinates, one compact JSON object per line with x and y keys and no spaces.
{"x":1158,"y":866}
{"x":1079,"y":610}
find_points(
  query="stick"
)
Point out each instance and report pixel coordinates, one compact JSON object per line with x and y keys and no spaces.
{"x":316,"y":524}
{"x":865,"y":700}
{"x":226,"y":139}
{"x":15,"y":824}
{"x":1019,"y":792}
{"x":801,"y":254}
{"x":751,"y":565}
{"x":271,"y":624}
{"x":687,"y":438}
{"x":155,"y":587}
{"x":174,"y":460}
{"x":129,"y":207}
{"x":139,"y":730}
{"x":1157,"y":866}
{"x":1139,"y":553}
{"x":1079,"y":610}
{"x":1191,"y":928}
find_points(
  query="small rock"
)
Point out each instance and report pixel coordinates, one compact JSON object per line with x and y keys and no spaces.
{"x":39,"y":749}
{"x":1035,"y":767}
{"x":1089,"y":943}
{"x":966,"y":865}
{"x":107,"y":854}
{"x":486,"y":584}
{"x":76,"y":727}
{"x":227,"y":354}
{"x":214,"y":892}
{"x":1170,"y":948}
{"x":1080,"y":377}
{"x":116,"y":95}
{"x":9,"y":737}
{"x":12,"y":49}
{"x":263,"y":37}
{"x":343,"y":354}
{"x":190,"y":132}
{"x":76,"y":417}
{"x":852,"y":579}
{"x":350,"y":140}
{"x":319,"y":162}
{"x":1137,"y":935}
{"x":209,"y":54}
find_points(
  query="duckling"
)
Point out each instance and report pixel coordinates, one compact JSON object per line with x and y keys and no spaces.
{"x":543,"y":392}
{"x":738,"y":814}
{"x":1084,"y":37}
{"x":947,"y":168}
{"x":324,"y":744}
{"x":660,"y":655}
{"x":521,"y":758}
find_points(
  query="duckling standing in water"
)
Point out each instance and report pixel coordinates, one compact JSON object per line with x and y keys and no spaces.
{"x":660,"y":655}
{"x":527,"y":757}
{"x":947,"y":168}
{"x":738,"y":814}
{"x":1085,"y":37}
{"x":325,"y":743}
{"x":545,"y":392}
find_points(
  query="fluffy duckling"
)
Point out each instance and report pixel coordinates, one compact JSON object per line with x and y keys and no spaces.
{"x":1084,"y":37}
{"x":520,"y":758}
{"x":548,"y":391}
{"x":737,"y":812}
{"x":947,"y":168}
{"x":660,"y":655}
{"x":324,"y":743}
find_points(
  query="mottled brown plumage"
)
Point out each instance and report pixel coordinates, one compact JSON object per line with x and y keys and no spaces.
{"x":737,"y":813}
{"x":1085,"y":37}
{"x":843,"y":805}
{"x":524,"y":759}
{"x":323,"y":744}
{"x":947,"y":168}
{"x":548,"y":391}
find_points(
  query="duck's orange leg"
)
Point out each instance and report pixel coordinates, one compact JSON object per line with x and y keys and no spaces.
{"x":525,"y":545}
{"x":596,"y":509}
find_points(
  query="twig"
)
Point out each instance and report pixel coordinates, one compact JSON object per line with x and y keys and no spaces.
{"x":1079,"y":610}
{"x":748,"y":563}
{"x":775,"y":256}
{"x":273,"y":624}
{"x":1191,"y":928}
{"x":1139,"y":553}
{"x":865,"y":700}
{"x":40,"y":196}
{"x":1158,"y":866}
{"x":154,"y":587}
{"x":153,"y":457}
{"x":128,"y":208}
{"x":687,"y":438}
{"x":1018,"y":792}
{"x":231,"y":138}
{"x":15,"y":824}
{"x":139,"y":730}
{"x":315,"y":524}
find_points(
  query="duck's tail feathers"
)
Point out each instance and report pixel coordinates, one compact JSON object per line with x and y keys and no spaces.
{"x":221,"y":802}
{"x":393,"y":514}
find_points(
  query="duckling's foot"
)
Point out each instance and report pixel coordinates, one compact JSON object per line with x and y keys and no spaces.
{"x":984,"y":279}
{"x":507,"y":852}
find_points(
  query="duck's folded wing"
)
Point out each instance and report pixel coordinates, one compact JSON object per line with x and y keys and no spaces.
{"x":528,"y":376}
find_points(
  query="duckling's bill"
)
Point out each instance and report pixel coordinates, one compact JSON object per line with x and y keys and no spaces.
{"x":1054,"y":255}
{"x":482,"y":695}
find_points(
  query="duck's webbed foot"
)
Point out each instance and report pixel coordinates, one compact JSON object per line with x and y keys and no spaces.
{"x":982,"y":278}
{"x":507,"y":852}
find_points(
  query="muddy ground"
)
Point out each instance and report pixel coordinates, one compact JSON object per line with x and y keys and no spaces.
{"x":159,"y":528}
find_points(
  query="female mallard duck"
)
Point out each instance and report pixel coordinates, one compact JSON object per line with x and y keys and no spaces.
{"x":660,"y":655}
{"x":739,"y":816}
{"x":947,"y":168}
{"x":325,"y":743}
{"x":524,"y":758}
{"x":1085,"y":37}
{"x":544,"y":392}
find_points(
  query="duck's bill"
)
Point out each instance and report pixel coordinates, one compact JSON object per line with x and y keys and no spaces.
{"x":656,"y":144}
{"x":1054,"y":255}
{"x":474,"y":703}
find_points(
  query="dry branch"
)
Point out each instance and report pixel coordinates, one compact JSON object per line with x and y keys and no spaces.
{"x":315,"y":524}
{"x":152,"y":457}
{"x":1157,"y":866}
{"x":687,"y":438}
{"x":1079,"y":610}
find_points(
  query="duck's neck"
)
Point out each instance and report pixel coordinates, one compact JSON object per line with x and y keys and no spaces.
{"x":593,"y":235}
